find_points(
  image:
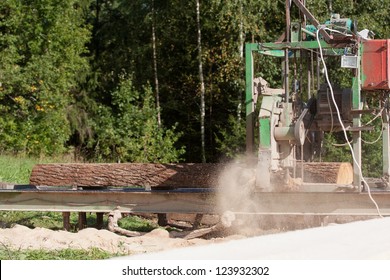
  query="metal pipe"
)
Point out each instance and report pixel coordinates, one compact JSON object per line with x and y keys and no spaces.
{"x":288,"y":20}
{"x":309,"y":72}
{"x":286,"y":64}
{"x":318,"y":72}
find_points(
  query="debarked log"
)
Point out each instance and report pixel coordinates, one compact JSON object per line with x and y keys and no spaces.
{"x":190,"y":175}
{"x":328,"y":172}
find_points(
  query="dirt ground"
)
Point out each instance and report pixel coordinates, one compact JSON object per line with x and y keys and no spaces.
{"x":21,"y":237}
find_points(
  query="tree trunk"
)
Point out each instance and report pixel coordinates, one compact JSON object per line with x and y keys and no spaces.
{"x":155,"y":65}
{"x":202,"y":87}
{"x":126,"y":174}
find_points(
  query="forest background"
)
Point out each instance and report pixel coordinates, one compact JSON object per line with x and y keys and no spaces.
{"x":145,"y":80}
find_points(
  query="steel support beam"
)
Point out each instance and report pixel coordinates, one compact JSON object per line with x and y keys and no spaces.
{"x":386,"y":141}
{"x":249,"y":101}
{"x":195,"y":201}
{"x":356,"y":135}
{"x":107,"y":200}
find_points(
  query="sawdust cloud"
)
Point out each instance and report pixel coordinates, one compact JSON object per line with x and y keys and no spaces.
{"x":236,"y":187}
{"x":236,"y":201}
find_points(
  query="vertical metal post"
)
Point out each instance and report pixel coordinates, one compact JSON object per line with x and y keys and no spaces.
{"x":288,"y":20}
{"x":318,"y":72}
{"x":356,"y":135}
{"x":386,"y":151}
{"x":286,"y":65}
{"x":249,"y":103}
{"x":309,"y":73}
{"x":386,"y":142}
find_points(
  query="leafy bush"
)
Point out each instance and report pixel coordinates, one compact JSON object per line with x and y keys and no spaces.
{"x":129,"y":131}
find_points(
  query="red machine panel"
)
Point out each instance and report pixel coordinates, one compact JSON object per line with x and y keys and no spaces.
{"x":376,"y":65}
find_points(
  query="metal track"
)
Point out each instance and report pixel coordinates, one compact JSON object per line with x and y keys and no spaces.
{"x":105,"y":200}
{"x":29,"y":198}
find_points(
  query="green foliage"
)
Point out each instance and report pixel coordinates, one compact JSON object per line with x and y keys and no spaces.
{"x":231,"y":143}
{"x":372,"y":145}
{"x":41,"y":61}
{"x":335,"y":148}
{"x":129,"y":131}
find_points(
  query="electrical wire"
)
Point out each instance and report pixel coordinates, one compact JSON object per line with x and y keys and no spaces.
{"x":376,"y":140}
{"x":340,"y":120}
{"x":342,"y":145}
{"x":382,"y":128}
{"x":376,"y":116}
{"x":365,"y":141}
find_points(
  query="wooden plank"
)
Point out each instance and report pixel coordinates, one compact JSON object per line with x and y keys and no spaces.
{"x":82,"y":220}
{"x":192,"y":175}
{"x":99,"y":220}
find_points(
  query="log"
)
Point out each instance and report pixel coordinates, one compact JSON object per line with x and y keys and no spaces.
{"x":328,"y":172}
{"x":191,"y":175}
{"x":66,"y":220}
{"x":113,"y":226}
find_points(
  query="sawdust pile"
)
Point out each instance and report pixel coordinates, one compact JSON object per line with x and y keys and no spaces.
{"x":21,"y":238}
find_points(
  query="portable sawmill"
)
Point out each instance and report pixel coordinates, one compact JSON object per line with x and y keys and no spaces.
{"x":292,"y":120}
{"x":286,"y":123}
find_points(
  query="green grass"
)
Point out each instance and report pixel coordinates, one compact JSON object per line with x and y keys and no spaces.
{"x":53,"y":221}
{"x":50,"y":220}
{"x":16,"y":169}
{"x":136,"y":224}
{"x":65,"y":254}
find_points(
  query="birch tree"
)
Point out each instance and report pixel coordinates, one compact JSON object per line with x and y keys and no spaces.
{"x":157,"y":92}
{"x":201,"y":80}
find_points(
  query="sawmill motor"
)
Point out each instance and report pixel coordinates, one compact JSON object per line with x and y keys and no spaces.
{"x":326,"y":112}
{"x":293,"y":119}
